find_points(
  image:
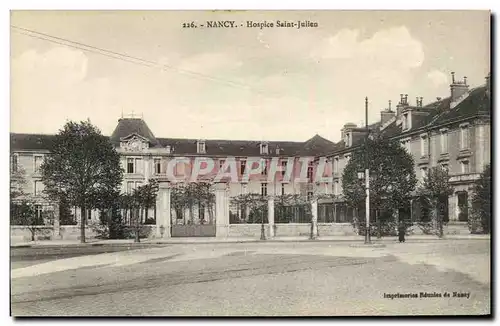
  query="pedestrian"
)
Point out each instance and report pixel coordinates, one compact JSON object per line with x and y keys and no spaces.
{"x":401,"y":232}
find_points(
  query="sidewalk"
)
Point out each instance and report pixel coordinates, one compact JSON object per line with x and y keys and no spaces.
{"x":211,"y":240}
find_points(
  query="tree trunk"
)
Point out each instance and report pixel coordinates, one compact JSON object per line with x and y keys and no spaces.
{"x":137,"y":224}
{"x":82,"y":224}
{"x":379,"y":224}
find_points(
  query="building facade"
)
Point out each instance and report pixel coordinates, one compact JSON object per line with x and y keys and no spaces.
{"x":452,"y":132}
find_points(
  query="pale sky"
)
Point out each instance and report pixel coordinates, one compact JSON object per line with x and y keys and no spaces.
{"x":296,"y":82}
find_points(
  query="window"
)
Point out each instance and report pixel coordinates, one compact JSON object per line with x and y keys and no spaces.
{"x":406,"y":121}
{"x":423,"y":145}
{"x":444,"y":141}
{"x":157,"y":163}
{"x":130,"y":165}
{"x":465,"y":167}
{"x":264,"y":167}
{"x":89,"y":214}
{"x":38,"y":211}
{"x":336,"y":187}
{"x":309,"y":195}
{"x":347,"y":139}
{"x":263,"y":189}
{"x":130,"y":186}
{"x":14,"y":163}
{"x":243,"y":164}
{"x":423,"y":173}
{"x":347,"y":157}
{"x":282,"y":189}
{"x":264,"y":148}
{"x":310,"y":172}
{"x":168,"y":149}
{"x":221,"y":164}
{"x":134,"y":165}
{"x":336,"y":165}
{"x":464,"y":136}
{"x":201,"y":149}
{"x":38,"y":163}
{"x":283,"y":165}
{"x":37,"y":188}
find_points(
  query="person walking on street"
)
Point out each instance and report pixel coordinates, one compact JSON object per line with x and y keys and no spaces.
{"x":401,"y":231}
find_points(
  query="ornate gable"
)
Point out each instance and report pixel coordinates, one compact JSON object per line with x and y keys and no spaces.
{"x":134,"y":143}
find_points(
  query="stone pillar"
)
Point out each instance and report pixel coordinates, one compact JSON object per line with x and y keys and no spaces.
{"x":163,"y":211}
{"x":270,"y":216}
{"x":147,"y":162}
{"x":314,"y":220}
{"x":453,"y":209}
{"x":221,"y":210}
{"x":480,"y":156}
{"x":57,"y":225}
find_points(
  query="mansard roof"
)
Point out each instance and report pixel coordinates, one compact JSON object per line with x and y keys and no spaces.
{"x":439,"y":113}
{"x":231,"y":147}
{"x":182,"y":146}
{"x":477,"y":103}
{"x":128,"y":126}
{"x":30,"y":142}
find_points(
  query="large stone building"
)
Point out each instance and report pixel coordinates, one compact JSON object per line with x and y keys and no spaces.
{"x":453,"y":132}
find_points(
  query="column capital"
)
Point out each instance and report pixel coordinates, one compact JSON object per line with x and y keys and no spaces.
{"x":164,"y":184}
{"x":220,"y":186}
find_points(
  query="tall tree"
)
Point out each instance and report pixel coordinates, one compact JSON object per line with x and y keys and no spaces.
{"x":392,"y":177}
{"x":480,"y":220}
{"x":143,"y":198}
{"x":82,"y":166}
{"x":435,"y":189}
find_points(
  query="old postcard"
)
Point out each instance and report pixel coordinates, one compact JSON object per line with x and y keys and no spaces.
{"x":250,"y":163}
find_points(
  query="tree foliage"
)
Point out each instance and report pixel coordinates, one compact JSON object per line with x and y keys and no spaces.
{"x":83,"y":166}
{"x":480,"y":219}
{"x":391,"y":173}
{"x":434,"y":191}
{"x":255,"y":204}
{"x":17,"y":183}
{"x":24,"y":213}
{"x":186,"y":195}
{"x":141,"y":200}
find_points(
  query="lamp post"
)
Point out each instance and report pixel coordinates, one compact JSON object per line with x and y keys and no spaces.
{"x":367,"y":178}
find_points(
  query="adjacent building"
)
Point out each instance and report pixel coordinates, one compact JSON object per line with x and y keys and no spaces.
{"x":452,"y":132}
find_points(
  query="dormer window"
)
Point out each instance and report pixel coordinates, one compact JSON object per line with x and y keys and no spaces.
{"x":264,"y":149}
{"x":168,"y":149}
{"x":201,"y":147}
{"x":348,"y":139}
{"x":406,"y":121}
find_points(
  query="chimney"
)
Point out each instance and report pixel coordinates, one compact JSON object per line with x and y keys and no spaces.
{"x":403,"y":103}
{"x":458,"y":88}
{"x":346,"y":132}
{"x":386,"y":114}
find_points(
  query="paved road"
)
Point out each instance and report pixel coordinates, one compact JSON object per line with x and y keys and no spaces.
{"x":272,"y":279}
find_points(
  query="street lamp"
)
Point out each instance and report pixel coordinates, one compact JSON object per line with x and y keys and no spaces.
{"x":367,"y":177}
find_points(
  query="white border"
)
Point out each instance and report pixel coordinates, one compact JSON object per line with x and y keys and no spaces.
{"x":186,"y":4}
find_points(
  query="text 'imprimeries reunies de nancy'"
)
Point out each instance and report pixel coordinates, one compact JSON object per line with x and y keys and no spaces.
{"x":392,"y":296}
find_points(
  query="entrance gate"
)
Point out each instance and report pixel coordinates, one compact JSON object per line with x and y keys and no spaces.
{"x":197,"y":221}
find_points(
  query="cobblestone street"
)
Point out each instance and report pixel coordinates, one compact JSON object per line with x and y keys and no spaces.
{"x":258,"y":279}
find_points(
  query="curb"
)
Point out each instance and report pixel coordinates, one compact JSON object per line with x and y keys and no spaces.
{"x":172,"y":242}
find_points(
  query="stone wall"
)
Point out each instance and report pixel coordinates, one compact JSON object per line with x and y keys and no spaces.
{"x":67,"y":232}
{"x":290,"y":230}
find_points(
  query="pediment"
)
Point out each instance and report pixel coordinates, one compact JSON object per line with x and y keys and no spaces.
{"x":134,"y":143}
